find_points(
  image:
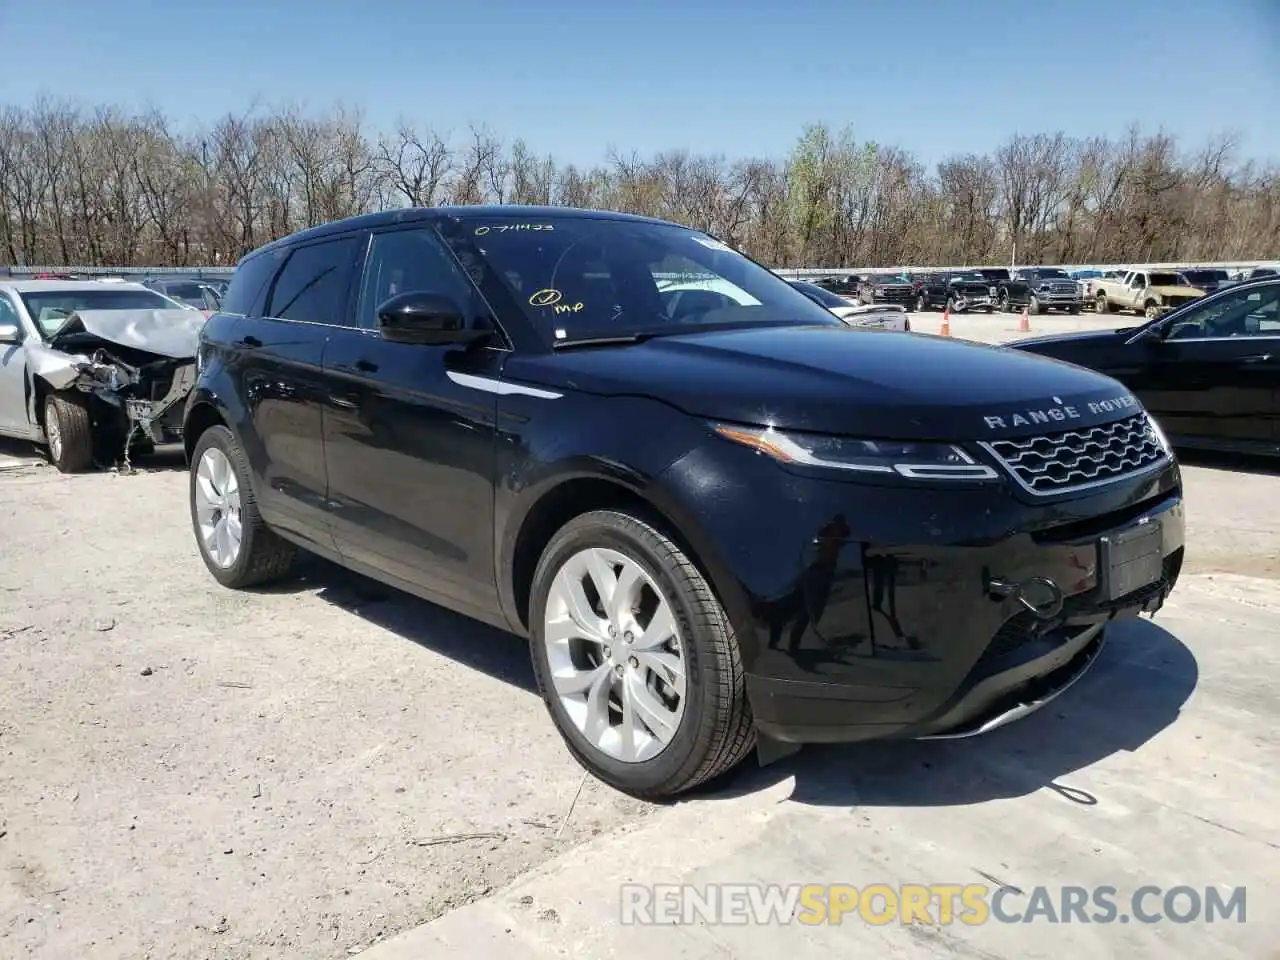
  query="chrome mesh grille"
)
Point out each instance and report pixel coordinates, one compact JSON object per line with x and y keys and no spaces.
{"x":1060,"y":462}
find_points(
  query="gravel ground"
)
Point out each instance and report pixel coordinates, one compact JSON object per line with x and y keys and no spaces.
{"x":193,"y":772}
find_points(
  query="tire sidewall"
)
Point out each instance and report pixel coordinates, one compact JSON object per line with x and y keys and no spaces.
{"x":581,"y":535}
{"x":223,"y":439}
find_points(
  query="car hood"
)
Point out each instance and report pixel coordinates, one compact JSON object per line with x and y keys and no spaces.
{"x":840,"y":380}
{"x":166,"y":333}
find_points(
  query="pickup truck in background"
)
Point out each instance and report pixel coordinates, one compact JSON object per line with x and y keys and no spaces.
{"x":1149,"y":293}
{"x":957,"y":292}
{"x":1040,"y":289}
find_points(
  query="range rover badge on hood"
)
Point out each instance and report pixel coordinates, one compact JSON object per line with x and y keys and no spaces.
{"x":1061,"y":412}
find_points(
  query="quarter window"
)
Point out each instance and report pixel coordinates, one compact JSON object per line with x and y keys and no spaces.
{"x":313,"y":285}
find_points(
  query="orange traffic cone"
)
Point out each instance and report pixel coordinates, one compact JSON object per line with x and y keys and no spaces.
{"x":1024,"y":323}
{"x":946,"y":322}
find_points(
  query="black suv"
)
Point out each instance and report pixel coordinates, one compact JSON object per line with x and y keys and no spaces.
{"x":720,"y":516}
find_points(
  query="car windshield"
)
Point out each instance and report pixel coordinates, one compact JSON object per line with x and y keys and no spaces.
{"x":968,"y":277}
{"x":50,"y":308}
{"x":824,"y":297}
{"x":579,"y":278}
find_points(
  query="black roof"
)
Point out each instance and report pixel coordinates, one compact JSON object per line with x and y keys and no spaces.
{"x":369,"y":221}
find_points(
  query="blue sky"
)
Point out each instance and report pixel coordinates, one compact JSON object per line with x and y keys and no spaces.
{"x":739,"y":77}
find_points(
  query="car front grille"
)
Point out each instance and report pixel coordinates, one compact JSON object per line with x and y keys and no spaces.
{"x":1075,"y":459}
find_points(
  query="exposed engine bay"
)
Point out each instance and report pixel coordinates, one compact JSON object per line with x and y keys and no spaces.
{"x":137,"y":366}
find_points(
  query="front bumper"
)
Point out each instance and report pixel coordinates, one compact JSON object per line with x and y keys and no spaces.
{"x":1059,"y":301}
{"x":963,"y":303}
{"x":894,"y":616}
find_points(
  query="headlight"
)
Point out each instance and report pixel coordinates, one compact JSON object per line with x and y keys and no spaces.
{"x":1159,"y":434}
{"x":918,"y":461}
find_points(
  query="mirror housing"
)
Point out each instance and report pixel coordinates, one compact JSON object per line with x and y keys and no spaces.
{"x":427,"y":318}
{"x":9,"y":333}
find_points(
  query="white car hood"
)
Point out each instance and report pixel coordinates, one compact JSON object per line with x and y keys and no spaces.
{"x":166,"y":333}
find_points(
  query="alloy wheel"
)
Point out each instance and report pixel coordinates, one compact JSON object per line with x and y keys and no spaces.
{"x":217,"y":502}
{"x":616,"y":658}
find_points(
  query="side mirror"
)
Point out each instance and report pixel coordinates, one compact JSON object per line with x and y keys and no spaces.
{"x":426,"y":318}
{"x":9,"y":333}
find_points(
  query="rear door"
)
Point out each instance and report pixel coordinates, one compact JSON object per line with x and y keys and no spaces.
{"x":410,"y":433}
{"x":277,"y":357}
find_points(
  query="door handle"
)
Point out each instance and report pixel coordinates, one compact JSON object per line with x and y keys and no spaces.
{"x":250,"y":341}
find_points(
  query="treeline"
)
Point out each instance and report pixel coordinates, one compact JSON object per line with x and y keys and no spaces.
{"x":100,"y":186}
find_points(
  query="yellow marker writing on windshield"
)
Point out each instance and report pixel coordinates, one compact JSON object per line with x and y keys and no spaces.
{"x":546,"y":298}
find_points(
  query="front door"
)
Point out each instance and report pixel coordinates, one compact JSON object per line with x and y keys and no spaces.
{"x":1215,"y":379}
{"x":14,"y":419}
{"x":409,"y":442}
{"x":277,"y":357}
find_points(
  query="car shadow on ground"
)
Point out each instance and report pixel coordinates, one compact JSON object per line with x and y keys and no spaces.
{"x":24,"y":453}
{"x":1135,"y":690}
{"x":499,"y":654}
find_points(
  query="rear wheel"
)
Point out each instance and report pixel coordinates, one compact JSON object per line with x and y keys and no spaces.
{"x":635,"y":659}
{"x":69,"y":431}
{"x":1151,"y":310}
{"x":1100,"y":303}
{"x":235,"y":544}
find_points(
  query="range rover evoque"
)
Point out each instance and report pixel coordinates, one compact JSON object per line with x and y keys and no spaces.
{"x":720,"y":525}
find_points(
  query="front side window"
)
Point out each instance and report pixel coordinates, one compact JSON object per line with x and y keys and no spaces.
{"x":409,"y":260}
{"x":585,"y":277}
{"x":312,"y":286}
{"x":1237,"y":313}
{"x":50,"y":308}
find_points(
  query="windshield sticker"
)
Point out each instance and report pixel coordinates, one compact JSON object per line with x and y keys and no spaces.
{"x":713,"y":244}
{"x":505,"y":227}
{"x":546,"y":298}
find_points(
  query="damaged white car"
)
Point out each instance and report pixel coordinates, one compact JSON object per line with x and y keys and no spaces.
{"x":94,"y":371}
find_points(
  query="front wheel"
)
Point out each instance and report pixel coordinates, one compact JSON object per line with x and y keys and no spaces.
{"x":68,"y":430}
{"x":235,"y":544}
{"x":1100,"y":303}
{"x":1005,"y":305}
{"x":1033,"y":305}
{"x":635,"y":659}
{"x":920,"y":304}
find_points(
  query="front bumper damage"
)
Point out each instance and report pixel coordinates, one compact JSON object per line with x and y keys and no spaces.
{"x":137,"y":366}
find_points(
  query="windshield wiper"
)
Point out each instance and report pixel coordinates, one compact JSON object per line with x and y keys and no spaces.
{"x":607,"y":340}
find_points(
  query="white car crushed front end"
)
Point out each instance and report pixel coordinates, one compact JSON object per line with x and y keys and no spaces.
{"x":142,"y":362}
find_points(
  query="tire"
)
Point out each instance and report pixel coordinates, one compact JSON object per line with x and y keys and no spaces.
{"x":1074,"y":308}
{"x":1033,"y":306}
{"x":1100,"y":303}
{"x":714,"y":731}
{"x":1151,"y":310}
{"x":262,"y":555}
{"x":951,"y":304}
{"x":1005,"y":305}
{"x":921,"y":304}
{"x":69,"y":431}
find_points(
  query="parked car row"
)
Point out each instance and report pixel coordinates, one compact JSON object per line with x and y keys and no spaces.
{"x":1147,"y":292}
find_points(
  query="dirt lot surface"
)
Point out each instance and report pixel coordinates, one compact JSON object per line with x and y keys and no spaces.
{"x":189,"y":772}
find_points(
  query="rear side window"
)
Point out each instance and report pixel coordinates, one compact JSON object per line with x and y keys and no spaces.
{"x":247,"y":283}
{"x":313,"y":284}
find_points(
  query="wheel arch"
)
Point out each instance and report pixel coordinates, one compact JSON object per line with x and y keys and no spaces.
{"x":582,"y":491}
